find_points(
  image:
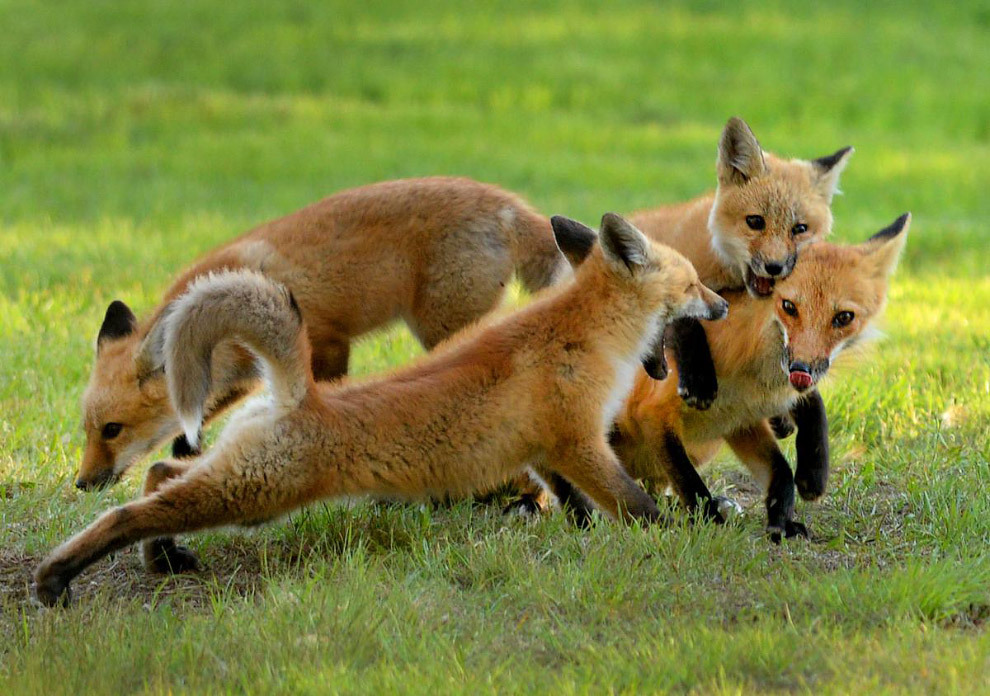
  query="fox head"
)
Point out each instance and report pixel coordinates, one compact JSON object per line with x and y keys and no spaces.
{"x":124,"y":416}
{"x":663,"y":279}
{"x":766,"y":209}
{"x":830,"y":300}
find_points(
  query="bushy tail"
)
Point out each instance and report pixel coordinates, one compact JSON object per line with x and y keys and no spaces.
{"x":241,"y":306}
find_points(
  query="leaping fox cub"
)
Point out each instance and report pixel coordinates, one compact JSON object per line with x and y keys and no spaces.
{"x":749,"y":234}
{"x":435,"y":252}
{"x":543,"y":384}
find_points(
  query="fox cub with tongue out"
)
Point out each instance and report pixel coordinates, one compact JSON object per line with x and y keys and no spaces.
{"x":749,"y":233}
{"x":542,"y":384}
{"x":767,"y":354}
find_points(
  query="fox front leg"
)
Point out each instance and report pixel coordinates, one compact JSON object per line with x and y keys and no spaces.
{"x":811,"y":473}
{"x":780,"y":502}
{"x":697,"y":383}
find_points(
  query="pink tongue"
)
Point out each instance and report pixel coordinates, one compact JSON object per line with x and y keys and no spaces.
{"x":801,"y":380}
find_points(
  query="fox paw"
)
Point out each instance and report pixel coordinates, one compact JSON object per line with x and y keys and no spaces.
{"x":727,"y":507}
{"x":165,"y":556}
{"x":782,"y":426}
{"x":698,"y":394}
{"x":789,"y":530}
{"x":523,"y":506}
{"x":811,"y":484}
{"x":52,"y":591}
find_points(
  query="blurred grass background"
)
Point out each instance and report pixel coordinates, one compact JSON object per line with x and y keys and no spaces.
{"x":136,"y":135}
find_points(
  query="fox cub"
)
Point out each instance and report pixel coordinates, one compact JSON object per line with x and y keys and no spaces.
{"x":767,"y":354}
{"x":748,"y":233}
{"x":543,"y":384}
{"x":436,"y":253}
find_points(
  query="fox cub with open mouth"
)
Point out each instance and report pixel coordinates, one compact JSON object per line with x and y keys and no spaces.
{"x":749,"y":233}
{"x":768,"y":354}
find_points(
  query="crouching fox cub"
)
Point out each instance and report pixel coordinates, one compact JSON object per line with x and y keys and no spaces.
{"x":543,"y":384}
{"x":437,"y":253}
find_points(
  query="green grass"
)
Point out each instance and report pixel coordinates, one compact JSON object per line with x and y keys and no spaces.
{"x":136,"y":135}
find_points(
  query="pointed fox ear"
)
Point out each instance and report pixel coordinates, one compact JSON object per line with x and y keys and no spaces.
{"x":118,"y":322}
{"x":740,"y":157}
{"x":884,"y":248}
{"x":623,"y":243}
{"x":575,"y":240}
{"x":827,"y":171}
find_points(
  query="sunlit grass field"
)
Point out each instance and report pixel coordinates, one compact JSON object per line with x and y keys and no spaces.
{"x":136,"y":135}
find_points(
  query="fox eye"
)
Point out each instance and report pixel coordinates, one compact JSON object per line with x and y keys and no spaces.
{"x":111,"y":430}
{"x":799,"y":228}
{"x":842,"y":319}
{"x":756,"y":222}
{"x":789,"y":308}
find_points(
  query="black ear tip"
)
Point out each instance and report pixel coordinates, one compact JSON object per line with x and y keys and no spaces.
{"x":828,"y":161}
{"x":118,"y":321}
{"x":566,"y":227}
{"x":900,"y":223}
{"x":893,"y":229}
{"x":609,"y":219}
{"x":119,"y":312}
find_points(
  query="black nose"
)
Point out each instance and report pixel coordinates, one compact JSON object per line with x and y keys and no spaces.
{"x":773,"y":268}
{"x":718,"y":311}
{"x":81,"y":485}
{"x":798,"y":366}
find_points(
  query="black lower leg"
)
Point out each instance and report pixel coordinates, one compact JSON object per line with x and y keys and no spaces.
{"x":780,"y":502}
{"x":697,"y":383}
{"x":163,"y":555}
{"x":571,"y":499}
{"x":811,"y":475}
{"x":686,"y":481}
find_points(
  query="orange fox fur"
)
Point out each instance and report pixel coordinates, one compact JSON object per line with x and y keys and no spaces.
{"x":717,"y":231}
{"x":543,"y":384}
{"x":712,"y":230}
{"x":436,"y":253}
{"x":825,"y":306}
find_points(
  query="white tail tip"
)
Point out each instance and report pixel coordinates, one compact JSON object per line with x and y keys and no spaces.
{"x":191,"y":425}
